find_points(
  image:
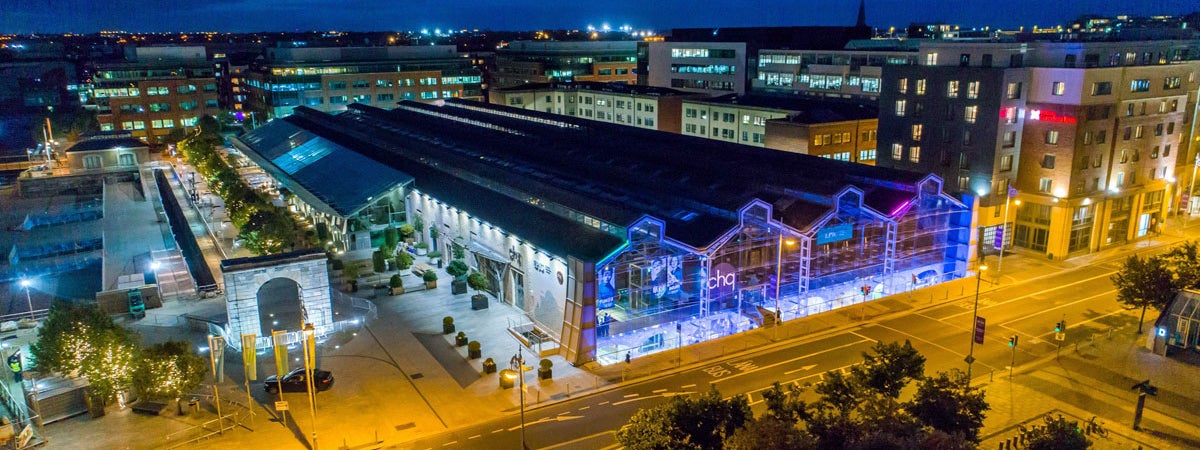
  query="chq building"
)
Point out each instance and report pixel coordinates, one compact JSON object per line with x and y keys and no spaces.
{"x":621,"y":242}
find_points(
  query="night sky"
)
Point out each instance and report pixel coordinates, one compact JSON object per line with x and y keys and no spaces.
{"x":87,"y":16}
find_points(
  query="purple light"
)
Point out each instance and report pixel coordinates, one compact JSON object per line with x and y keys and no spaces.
{"x":902,"y":207}
{"x":240,"y":116}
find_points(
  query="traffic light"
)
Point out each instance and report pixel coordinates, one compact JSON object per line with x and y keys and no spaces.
{"x":1012,"y":341}
{"x":1058,"y":327}
{"x":866,"y":290}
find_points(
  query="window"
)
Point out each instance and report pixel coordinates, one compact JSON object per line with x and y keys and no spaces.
{"x":1158,"y":129}
{"x":902,"y":85}
{"x":914,"y":154}
{"x":1009,"y":115}
{"x":921,"y":87}
{"x":901,"y":105}
{"x":970,"y":113}
{"x":931,"y":59}
{"x":897,"y":152}
{"x":866,"y":155}
{"x":1087,"y":137}
{"x":139,"y":125}
{"x":1102,"y":137}
{"x":1172,"y":83}
{"x":211,"y":103}
{"x":337,"y":85}
{"x":1052,"y":137}
{"x":1102,"y":88}
{"x":1154,"y":153}
{"x":964,"y":182}
{"x":127,"y":159}
{"x":727,"y":117}
{"x":1139,"y":85}
{"x":1170,"y":128}
{"x":1045,"y":185}
{"x":964,"y":60}
{"x":338,"y":99}
{"x":952,"y":89}
{"x":973,"y":90}
{"x":1059,"y":88}
{"x":1013,"y":91}
{"x":916,"y":132}
{"x":1048,"y":161}
{"x":869,"y":135}
{"x":385,"y":97}
{"x":689,"y":113}
{"x":966,"y":140}
{"x":1128,"y":133}
{"x":92,"y":162}
{"x":1139,"y":132}
{"x":1010,"y":139}
{"x":361,"y":84}
{"x":1167,"y":151}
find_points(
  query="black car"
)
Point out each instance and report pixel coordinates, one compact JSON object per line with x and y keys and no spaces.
{"x":294,"y":381}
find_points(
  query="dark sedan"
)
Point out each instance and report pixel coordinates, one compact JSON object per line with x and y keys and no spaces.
{"x":294,"y":381}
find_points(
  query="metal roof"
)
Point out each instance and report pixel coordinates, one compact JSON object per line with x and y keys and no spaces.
{"x":106,"y":144}
{"x":342,"y":180}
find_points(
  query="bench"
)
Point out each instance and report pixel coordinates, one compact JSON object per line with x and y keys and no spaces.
{"x":151,"y":408}
{"x":419,"y":269}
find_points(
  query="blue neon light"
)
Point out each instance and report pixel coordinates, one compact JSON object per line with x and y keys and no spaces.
{"x":835,"y":233}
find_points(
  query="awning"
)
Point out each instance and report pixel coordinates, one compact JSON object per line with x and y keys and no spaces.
{"x":483,"y":250}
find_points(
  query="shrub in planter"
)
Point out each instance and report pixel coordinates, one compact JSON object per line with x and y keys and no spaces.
{"x":391,"y":237}
{"x":461,"y":339}
{"x":430,"y":277}
{"x":396,"y":283}
{"x":378,"y":262}
{"x":474,"y":350}
{"x":478,"y":282}
{"x":489,"y":366}
{"x":433,"y":232}
{"x":404,"y":260}
{"x":458,"y":251}
{"x":457,"y":269}
{"x":422,"y":248}
{"x":447,"y":325}
{"x":544,"y":369}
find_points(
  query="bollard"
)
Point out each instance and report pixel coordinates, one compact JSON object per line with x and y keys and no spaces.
{"x":568,"y":390}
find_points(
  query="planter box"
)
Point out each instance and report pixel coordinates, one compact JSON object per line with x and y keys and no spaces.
{"x":489,"y":368}
{"x":460,"y":341}
{"x":474,"y":354}
{"x":545,"y":374}
{"x":478,"y":302}
{"x":458,"y":287}
{"x":431,"y":284}
{"x":422,"y":251}
{"x":447,"y":328}
{"x":397,"y":290}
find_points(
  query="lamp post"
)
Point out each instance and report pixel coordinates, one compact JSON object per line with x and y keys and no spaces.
{"x":521,"y":387}
{"x":974,"y":319}
{"x":779,"y":275}
{"x":26,"y":283}
{"x":310,"y":353}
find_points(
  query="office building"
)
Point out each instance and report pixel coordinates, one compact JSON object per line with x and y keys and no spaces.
{"x":802,"y":127}
{"x":154,"y":91}
{"x":523,"y":62}
{"x":714,"y":68}
{"x":617,"y":242}
{"x":330,"y":78}
{"x":850,"y":73}
{"x":647,"y":107}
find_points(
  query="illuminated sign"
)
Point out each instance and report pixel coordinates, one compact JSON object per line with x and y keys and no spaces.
{"x":722,"y":281}
{"x":835,"y":233}
{"x":1049,"y":116}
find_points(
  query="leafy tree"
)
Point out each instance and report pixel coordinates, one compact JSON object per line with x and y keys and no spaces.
{"x":83,"y":341}
{"x":948,"y":403}
{"x":770,"y":432}
{"x":169,"y":370}
{"x":391,"y":237}
{"x":1058,"y":434}
{"x":889,"y":367}
{"x":784,"y":404}
{"x":686,"y":423}
{"x":1144,"y":283}
{"x":477,"y":281}
{"x":404,"y":260}
{"x":378,"y":262}
{"x":1184,"y":263}
{"x":457,"y":269}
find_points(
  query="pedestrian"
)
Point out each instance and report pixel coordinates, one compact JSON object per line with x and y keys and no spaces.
{"x":627,"y":357}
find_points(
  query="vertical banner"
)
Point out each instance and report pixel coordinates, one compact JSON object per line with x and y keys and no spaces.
{"x":281,"y":353}
{"x":216,"y":348}
{"x":674,"y":274}
{"x":249,"y":356}
{"x":607,"y":288}
{"x":310,"y":350}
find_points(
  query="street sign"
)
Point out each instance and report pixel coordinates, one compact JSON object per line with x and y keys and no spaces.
{"x":1060,"y":336}
{"x":969,"y":359}
{"x":998,"y":241}
{"x":980,"y":323}
{"x":281,"y":406}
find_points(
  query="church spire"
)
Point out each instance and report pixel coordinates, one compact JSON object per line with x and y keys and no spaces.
{"x":862,"y":14}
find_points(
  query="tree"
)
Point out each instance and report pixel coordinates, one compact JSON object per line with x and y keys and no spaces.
{"x":81,"y":341}
{"x":686,"y":423}
{"x":169,"y":370}
{"x":889,"y":367}
{"x":378,"y":261}
{"x":477,"y":281}
{"x":457,"y":269}
{"x":770,"y":432}
{"x":1058,"y":434}
{"x":1184,"y":263}
{"x":391,"y":237}
{"x":1144,"y":283}
{"x":948,"y":403}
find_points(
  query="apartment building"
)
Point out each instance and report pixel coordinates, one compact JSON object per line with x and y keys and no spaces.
{"x":714,"y":68}
{"x":1068,"y":148}
{"x":648,"y":107}
{"x":542,"y":61}
{"x":154,"y":91}
{"x":330,"y":78}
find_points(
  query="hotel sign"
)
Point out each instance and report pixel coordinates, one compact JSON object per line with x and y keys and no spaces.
{"x":835,"y":233}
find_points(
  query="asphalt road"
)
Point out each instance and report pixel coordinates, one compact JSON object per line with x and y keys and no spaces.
{"x":1082,"y":297}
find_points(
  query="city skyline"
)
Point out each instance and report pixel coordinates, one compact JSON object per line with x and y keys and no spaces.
{"x":78,"y":16}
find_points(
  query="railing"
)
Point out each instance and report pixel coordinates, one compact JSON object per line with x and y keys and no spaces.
{"x":38,"y":314}
{"x":370,"y":313}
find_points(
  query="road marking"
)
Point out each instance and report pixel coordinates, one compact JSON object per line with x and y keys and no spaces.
{"x":497,"y":430}
{"x":1090,"y":320}
{"x":604,"y":402}
{"x":1031,"y":294}
{"x":802,"y":369}
{"x":449,"y":443}
{"x":658,"y":391}
{"x":571,"y":443}
{"x":687,"y":386}
{"x":1059,"y":306}
{"x":473,"y":437}
{"x":585,"y":408}
{"x":622,"y":402}
{"x":810,"y":355}
{"x":632,"y":395}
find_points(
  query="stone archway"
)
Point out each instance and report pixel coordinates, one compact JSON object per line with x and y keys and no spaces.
{"x":248,"y":279}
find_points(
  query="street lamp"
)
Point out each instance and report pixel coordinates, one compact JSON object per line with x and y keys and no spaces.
{"x":974,"y":319}
{"x":310,"y":356}
{"x":26,"y":283}
{"x":779,"y":273}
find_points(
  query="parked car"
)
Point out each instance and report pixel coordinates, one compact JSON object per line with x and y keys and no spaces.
{"x":925,"y":278}
{"x":294,"y":381}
